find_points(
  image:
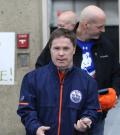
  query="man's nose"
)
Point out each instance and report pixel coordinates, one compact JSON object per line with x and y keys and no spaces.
{"x":61,"y":52}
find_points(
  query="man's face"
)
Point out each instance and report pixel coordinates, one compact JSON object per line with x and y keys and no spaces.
{"x":63,"y":23}
{"x":95,"y":29}
{"x":62,"y":51}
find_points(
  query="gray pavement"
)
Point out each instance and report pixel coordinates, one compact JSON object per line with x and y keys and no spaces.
{"x":112,"y":124}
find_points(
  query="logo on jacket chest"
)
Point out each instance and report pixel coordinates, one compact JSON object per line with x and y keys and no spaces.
{"x":75,"y":96}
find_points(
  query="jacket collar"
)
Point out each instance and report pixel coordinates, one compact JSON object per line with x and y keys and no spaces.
{"x":53,"y":68}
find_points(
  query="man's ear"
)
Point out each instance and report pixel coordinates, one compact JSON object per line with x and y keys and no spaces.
{"x":85,"y":25}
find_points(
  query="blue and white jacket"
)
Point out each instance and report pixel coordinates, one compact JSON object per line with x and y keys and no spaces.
{"x":46,"y":99}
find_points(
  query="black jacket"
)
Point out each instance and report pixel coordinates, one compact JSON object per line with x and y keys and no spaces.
{"x":105,"y":60}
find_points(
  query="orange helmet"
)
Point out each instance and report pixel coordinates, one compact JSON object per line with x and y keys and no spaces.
{"x":108,"y":100}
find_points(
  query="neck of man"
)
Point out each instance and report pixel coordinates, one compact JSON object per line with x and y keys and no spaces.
{"x":82,"y":35}
{"x":65,"y":69}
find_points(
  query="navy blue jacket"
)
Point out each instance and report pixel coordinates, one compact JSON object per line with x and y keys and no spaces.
{"x":41,"y":95}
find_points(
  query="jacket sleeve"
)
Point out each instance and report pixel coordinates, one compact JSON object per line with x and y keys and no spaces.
{"x":92,"y":106}
{"x":27,"y":108}
{"x":115,"y":73}
{"x":44,"y":57}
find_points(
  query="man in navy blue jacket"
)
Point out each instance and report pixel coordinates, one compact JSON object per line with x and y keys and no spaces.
{"x":58,"y":99}
{"x":94,"y":54}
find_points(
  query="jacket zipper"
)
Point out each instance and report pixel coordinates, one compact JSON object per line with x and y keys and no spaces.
{"x":61,"y":76}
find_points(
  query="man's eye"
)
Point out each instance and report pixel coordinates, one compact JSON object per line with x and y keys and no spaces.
{"x":61,"y":26}
{"x":100,"y":27}
{"x":56,"y":48}
{"x":66,"y":48}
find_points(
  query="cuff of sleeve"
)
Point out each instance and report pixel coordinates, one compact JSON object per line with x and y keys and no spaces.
{"x":34,"y":129}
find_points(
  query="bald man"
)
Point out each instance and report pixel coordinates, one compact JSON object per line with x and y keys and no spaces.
{"x":92,"y":23}
{"x":66,"y":20}
{"x":95,"y":55}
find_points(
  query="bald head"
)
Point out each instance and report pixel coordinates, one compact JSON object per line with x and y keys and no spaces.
{"x":92,"y":23}
{"x":67,"y":20}
{"x":92,"y":13}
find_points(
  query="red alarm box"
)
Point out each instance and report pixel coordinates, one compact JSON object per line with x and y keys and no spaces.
{"x":23,"y":40}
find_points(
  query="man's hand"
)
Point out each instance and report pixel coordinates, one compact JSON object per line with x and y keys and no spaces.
{"x":83,"y":124}
{"x":41,"y":130}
